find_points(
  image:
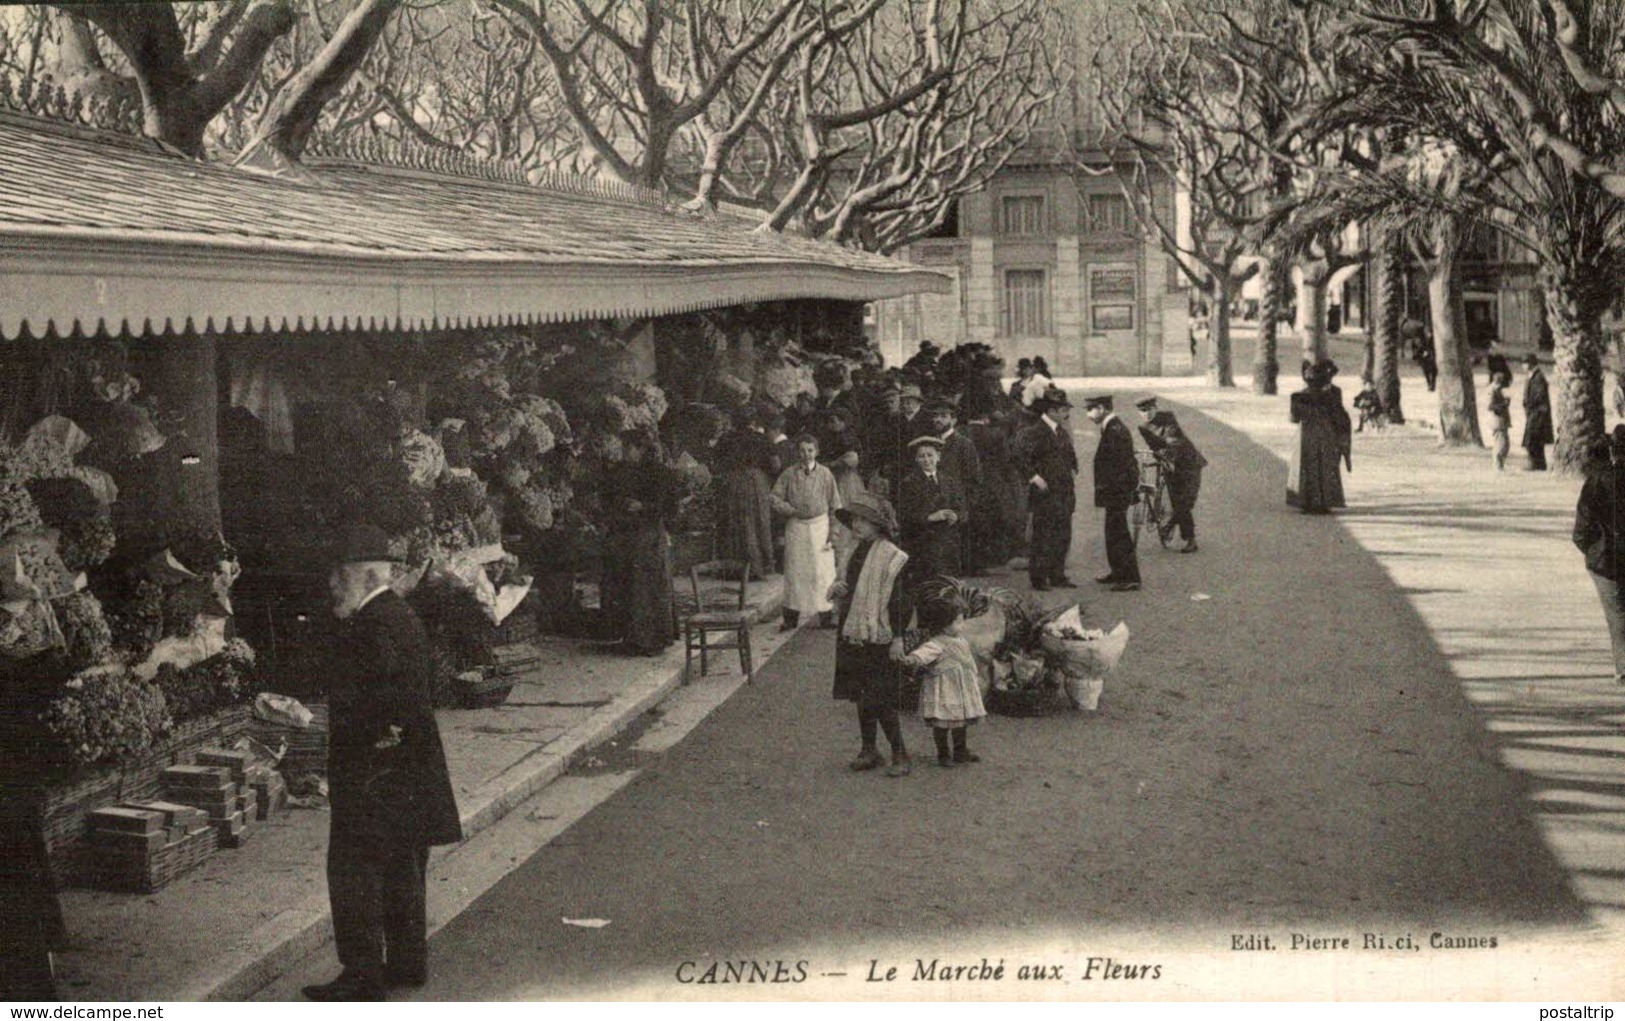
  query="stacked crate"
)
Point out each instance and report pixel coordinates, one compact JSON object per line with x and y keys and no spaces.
{"x":214,"y":790}
{"x":270,"y":789}
{"x":141,"y":847}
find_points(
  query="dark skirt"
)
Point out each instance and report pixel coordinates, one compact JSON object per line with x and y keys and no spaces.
{"x":637,"y":594}
{"x":865,"y":674}
{"x":1315,"y":481}
{"x":745,"y":520}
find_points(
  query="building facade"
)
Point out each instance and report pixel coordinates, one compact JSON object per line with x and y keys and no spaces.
{"x":1049,"y":261}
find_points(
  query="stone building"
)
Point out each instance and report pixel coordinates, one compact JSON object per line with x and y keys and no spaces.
{"x":1049,"y":260}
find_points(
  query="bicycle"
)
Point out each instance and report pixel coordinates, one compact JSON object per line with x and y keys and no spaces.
{"x":1151,"y":504}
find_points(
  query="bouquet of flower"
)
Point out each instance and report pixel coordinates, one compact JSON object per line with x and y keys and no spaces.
{"x":1079,"y":658}
{"x":105,"y":715}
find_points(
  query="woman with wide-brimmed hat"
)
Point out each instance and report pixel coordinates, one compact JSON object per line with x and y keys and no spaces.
{"x":874,"y":610}
{"x":1325,"y":434}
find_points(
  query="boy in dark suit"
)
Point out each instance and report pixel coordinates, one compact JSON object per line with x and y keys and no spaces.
{"x":389,"y":788}
{"x":1117,"y":483}
{"x":1047,"y":460}
{"x":930,"y":512}
{"x":1183,"y":463}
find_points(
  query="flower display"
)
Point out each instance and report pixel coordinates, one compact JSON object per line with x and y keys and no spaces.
{"x":222,"y":680}
{"x":87,"y":637}
{"x":104,"y":715}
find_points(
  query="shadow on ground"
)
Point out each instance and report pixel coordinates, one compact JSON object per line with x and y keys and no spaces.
{"x":1292,"y":752}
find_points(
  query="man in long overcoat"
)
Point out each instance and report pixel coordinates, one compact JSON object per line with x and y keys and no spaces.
{"x":390,"y":792}
{"x":1537,"y":415}
{"x":1117,"y":481}
{"x":1184,"y":464}
{"x":1049,"y":464}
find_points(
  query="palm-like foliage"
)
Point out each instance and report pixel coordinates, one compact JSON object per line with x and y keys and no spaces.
{"x":1492,"y":84}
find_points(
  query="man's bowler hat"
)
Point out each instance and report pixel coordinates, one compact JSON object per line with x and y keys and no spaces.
{"x":364,"y":543}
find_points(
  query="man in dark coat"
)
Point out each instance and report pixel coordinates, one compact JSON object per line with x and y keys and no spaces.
{"x":1537,"y":415}
{"x":1599,"y":518}
{"x":390,"y":792}
{"x":961,"y":460}
{"x":1183,"y":463}
{"x":1117,"y":482}
{"x":1049,"y":464}
{"x":930,"y":509}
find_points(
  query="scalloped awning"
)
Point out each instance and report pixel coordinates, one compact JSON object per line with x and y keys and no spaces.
{"x":104,"y":234}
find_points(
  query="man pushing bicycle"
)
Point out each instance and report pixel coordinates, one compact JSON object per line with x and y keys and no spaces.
{"x":1183,"y":464}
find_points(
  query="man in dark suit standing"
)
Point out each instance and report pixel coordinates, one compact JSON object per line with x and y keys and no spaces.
{"x":1537,"y":415}
{"x":1183,"y":463}
{"x":1047,"y":460}
{"x":1117,"y":481}
{"x":390,"y":792}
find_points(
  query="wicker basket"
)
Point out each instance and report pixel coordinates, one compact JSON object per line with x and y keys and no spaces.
{"x":135,"y":872}
{"x":1040,"y":701}
{"x":306,"y":747}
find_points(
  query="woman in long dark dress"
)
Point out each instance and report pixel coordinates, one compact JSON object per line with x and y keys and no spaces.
{"x":1325,"y":435}
{"x":639,"y":496}
{"x":748,"y":465}
{"x":993,"y":527}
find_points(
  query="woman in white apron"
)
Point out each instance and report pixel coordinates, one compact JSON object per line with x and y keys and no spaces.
{"x":806,"y":494}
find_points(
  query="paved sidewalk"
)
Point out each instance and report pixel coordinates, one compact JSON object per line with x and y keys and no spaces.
{"x":1487,"y":562}
{"x":238,"y":921}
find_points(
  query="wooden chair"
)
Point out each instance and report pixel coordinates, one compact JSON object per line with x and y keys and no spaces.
{"x":731,"y":622}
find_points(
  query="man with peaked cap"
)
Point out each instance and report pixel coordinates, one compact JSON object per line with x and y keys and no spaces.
{"x":1183,"y":463}
{"x":1048,"y":462}
{"x":389,"y":788}
{"x":1117,"y":483}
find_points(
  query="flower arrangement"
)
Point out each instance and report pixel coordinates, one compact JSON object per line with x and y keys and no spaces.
{"x":634,"y":406}
{"x":222,"y":680}
{"x":87,"y":637}
{"x":104,"y":715}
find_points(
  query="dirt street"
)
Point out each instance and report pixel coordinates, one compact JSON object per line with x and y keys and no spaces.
{"x":1289,"y":756}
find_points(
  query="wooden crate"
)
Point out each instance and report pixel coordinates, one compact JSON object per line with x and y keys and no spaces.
{"x":134,"y":871}
{"x":63,"y":806}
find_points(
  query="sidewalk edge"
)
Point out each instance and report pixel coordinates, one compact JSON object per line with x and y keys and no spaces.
{"x":289,"y":937}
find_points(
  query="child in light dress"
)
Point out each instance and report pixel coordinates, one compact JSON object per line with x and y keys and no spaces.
{"x":950,"y":695}
{"x":1500,"y":420}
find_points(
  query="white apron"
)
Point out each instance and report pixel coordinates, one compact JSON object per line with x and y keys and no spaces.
{"x":809,"y":565}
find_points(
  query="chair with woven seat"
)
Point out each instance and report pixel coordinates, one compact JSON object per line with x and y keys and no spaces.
{"x":727,"y":618}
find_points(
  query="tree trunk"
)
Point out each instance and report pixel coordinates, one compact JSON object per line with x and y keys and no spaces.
{"x":290,"y":117}
{"x":1577,"y":351}
{"x":1265,"y":365}
{"x":1388,"y":284}
{"x":173,"y":493}
{"x":1458,"y":408}
{"x":1312,"y":314}
{"x":1220,"y":372}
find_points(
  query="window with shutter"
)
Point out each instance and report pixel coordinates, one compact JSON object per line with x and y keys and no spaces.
{"x":1024,"y":311}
